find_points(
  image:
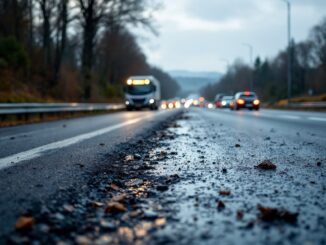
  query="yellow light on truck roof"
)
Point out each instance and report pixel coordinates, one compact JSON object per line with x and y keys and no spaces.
{"x":138,"y":82}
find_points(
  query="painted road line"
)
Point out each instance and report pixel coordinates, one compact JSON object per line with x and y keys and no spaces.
{"x":319,"y":119}
{"x":290,"y":117}
{"x":39,"y":151}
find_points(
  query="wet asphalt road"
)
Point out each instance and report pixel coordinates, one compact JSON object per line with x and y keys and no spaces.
{"x":31,"y":181}
{"x":225,"y":148}
{"x":213,"y":152}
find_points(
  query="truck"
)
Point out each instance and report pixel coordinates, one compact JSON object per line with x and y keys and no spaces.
{"x":142,"y":92}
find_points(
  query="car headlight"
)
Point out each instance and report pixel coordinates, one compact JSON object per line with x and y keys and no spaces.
{"x":127,"y":102}
{"x":151,"y":101}
{"x":223,"y":103}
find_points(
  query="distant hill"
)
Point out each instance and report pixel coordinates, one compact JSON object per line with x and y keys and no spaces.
{"x":193,"y":82}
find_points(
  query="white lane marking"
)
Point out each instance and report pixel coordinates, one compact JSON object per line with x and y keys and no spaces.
{"x":320,"y":119}
{"x":38,"y":151}
{"x":290,"y":117}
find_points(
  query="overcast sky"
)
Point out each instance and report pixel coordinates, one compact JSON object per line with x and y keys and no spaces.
{"x":196,"y":34}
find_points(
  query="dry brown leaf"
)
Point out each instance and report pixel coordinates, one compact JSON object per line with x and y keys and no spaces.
{"x":24,"y":223}
{"x":115,"y":207}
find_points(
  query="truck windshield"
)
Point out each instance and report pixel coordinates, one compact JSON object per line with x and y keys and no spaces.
{"x":140,"y":89}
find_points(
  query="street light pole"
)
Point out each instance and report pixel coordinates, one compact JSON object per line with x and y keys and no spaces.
{"x":289,"y":68}
{"x":251,"y":51}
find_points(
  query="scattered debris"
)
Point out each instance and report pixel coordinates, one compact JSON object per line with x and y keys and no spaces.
{"x":225,"y":193}
{"x":24,"y":223}
{"x":220,"y":205}
{"x":129,"y":158}
{"x":162,"y":187}
{"x":318,"y":164}
{"x":115,"y":207}
{"x":68,"y":208}
{"x":137,"y":157}
{"x":237,"y":145}
{"x":97,"y":204}
{"x":240,"y":214}
{"x":274,"y":214}
{"x":266,"y":165}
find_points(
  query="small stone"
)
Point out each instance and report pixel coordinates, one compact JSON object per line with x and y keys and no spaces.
{"x":137,"y":157}
{"x":318,"y":164}
{"x":108,"y":226}
{"x":151,"y":215}
{"x":162,"y":187}
{"x":59,"y":217}
{"x":83,"y":240}
{"x":44,"y":228}
{"x":237,"y":145}
{"x":68,"y":208}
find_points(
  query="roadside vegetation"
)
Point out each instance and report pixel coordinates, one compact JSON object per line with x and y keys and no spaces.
{"x":269,"y":75}
{"x":64,"y":50}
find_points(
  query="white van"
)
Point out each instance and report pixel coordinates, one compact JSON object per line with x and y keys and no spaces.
{"x":142,"y":92}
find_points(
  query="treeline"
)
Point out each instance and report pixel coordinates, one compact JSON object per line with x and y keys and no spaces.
{"x":269,"y":76}
{"x":67,"y":50}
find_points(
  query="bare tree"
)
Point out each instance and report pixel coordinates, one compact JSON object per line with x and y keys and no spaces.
{"x":110,"y":14}
{"x":61,"y":35}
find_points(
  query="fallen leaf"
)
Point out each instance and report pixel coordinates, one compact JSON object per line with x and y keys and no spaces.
{"x":160,"y":221}
{"x":95,"y":204}
{"x":121,"y":198}
{"x":266,"y":165}
{"x":240,"y":215}
{"x":115,"y":207}
{"x":273,"y":214}
{"x":114,"y":187}
{"x":24,"y":223}
{"x":220,"y":205}
{"x":225,"y":193}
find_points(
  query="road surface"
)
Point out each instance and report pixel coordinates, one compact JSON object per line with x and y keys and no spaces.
{"x":61,"y":153}
{"x":196,"y":176}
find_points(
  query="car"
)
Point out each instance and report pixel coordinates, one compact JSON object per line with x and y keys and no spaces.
{"x":226,"y":101}
{"x":245,"y":100}
{"x":218,"y":100}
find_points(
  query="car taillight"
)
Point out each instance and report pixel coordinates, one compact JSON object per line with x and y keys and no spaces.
{"x":256,"y":102}
{"x":241,"y":102}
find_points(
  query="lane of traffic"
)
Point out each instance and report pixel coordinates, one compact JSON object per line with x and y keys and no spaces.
{"x":37,"y":179}
{"x":22,"y":138}
{"x":281,"y":114}
{"x":270,"y":120}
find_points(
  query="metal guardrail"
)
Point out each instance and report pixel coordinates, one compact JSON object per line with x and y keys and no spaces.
{"x":40,"y":108}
